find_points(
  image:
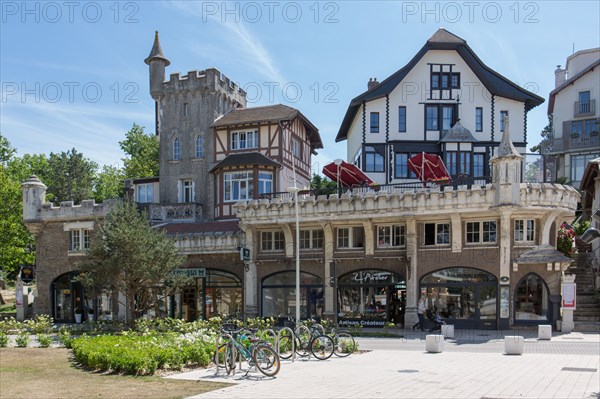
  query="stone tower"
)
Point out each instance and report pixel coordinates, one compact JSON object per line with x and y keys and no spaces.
{"x":506,"y":171}
{"x":34,"y":195}
{"x":186,"y":107}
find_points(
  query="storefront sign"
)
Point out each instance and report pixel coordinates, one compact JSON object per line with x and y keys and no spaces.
{"x":376,"y":276}
{"x":568,"y":295}
{"x":504,"y":302}
{"x":26,"y":274}
{"x":196,"y":272}
{"x":363,"y":323}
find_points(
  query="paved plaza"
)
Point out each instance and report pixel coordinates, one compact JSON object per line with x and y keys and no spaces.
{"x":472,"y":365}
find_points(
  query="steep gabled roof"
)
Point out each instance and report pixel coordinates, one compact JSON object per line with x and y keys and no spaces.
{"x":568,"y":82}
{"x":443,"y":40}
{"x":270,"y":113}
{"x":458,"y":134}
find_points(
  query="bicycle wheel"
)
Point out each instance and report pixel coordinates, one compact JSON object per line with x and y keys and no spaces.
{"x":303,"y":338}
{"x":285,"y":346}
{"x":266,"y":360}
{"x":230,"y":357}
{"x":344,"y":344}
{"x":322,"y":347}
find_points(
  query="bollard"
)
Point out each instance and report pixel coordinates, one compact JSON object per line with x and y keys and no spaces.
{"x":545,"y":331}
{"x":448,"y":330}
{"x":514,"y":344}
{"x":434,"y":343}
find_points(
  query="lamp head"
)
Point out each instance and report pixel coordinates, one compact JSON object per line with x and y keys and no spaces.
{"x":590,"y":235}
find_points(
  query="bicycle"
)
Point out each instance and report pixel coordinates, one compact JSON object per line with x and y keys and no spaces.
{"x":307,"y":341}
{"x":258,"y":354}
{"x":344,"y":344}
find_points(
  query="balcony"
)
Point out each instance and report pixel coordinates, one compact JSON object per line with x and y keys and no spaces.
{"x":587,"y":108}
{"x":570,"y":142}
{"x":186,"y":212}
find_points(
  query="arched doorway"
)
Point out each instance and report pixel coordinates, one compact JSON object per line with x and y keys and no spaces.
{"x":215,"y":293}
{"x":371,"y":298}
{"x":69,"y":299}
{"x":532,"y":300}
{"x":278,"y":295}
{"x":465,"y":297}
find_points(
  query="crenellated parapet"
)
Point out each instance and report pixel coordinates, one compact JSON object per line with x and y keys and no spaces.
{"x":207,"y":243}
{"x":413,"y":203}
{"x":88,"y":209}
{"x":210,"y":79}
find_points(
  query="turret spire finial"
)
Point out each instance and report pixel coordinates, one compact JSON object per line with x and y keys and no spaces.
{"x":156,"y":53}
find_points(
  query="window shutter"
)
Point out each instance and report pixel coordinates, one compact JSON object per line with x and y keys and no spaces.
{"x":179,"y":191}
{"x":193,"y":191}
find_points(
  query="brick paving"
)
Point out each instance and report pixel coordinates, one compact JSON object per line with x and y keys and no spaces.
{"x":471,"y":366}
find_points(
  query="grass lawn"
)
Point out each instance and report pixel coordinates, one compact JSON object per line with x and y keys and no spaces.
{"x":49,"y":373}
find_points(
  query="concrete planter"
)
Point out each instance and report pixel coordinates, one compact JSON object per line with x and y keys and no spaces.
{"x":434,"y":343}
{"x":514,"y":344}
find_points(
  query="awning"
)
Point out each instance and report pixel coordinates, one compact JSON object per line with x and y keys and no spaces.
{"x":347,"y":175}
{"x":429,"y":168}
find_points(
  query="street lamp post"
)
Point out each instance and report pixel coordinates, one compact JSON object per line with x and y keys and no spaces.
{"x":295,"y":190}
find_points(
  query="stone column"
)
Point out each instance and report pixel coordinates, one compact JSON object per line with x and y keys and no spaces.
{"x":567,"y":314}
{"x":330,"y":292}
{"x":250,"y":277}
{"x":412,"y":279}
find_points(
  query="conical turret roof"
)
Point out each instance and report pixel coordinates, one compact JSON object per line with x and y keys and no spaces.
{"x":156,"y":53}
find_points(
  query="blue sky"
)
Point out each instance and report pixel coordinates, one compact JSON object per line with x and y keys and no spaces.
{"x":73,"y":73}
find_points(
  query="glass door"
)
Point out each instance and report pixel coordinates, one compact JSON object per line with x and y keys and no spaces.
{"x":487,"y":307}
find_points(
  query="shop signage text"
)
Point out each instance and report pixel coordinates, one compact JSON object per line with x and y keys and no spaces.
{"x":366,"y":276}
{"x":191,"y":272}
{"x":364,"y":323}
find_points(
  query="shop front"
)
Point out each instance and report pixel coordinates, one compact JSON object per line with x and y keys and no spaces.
{"x":371,"y":298}
{"x":213,"y":293}
{"x":70,"y":301}
{"x":278,"y":295}
{"x":464,"y":297}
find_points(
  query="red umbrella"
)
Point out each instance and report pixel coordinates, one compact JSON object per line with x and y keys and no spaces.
{"x":346,"y":174}
{"x":429,"y":168}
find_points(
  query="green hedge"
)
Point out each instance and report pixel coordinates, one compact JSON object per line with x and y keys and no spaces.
{"x":144,"y":354}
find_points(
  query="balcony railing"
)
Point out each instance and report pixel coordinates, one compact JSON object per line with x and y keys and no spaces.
{"x":387,"y":188}
{"x":585,"y":108}
{"x":570,"y":142}
{"x":188,"y":212}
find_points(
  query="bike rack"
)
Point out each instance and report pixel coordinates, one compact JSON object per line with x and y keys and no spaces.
{"x":293,"y":335}
{"x":217,"y":344}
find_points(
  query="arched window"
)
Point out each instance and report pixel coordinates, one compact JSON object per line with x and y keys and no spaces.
{"x":199,"y":146}
{"x":531,"y":299}
{"x":176,"y":149}
{"x":279,"y":295}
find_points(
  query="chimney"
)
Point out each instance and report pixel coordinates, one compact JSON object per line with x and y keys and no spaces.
{"x":560,"y":75}
{"x":373,"y":83}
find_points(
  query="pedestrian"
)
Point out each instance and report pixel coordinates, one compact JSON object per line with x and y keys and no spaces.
{"x":420,"y":311}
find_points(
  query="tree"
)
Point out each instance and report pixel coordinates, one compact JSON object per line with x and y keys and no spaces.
{"x":109,"y":183}
{"x":15,"y":239}
{"x":322,"y":185}
{"x":129,"y":256}
{"x":546,"y":134}
{"x":6,"y":150}
{"x":71,"y":176}
{"x":142,"y":151}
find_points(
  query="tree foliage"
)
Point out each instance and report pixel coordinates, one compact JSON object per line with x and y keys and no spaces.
{"x":109,"y":183}
{"x":546,"y":134}
{"x":129,"y":256}
{"x":322,"y":185}
{"x":142,"y":153}
{"x":71,"y":176}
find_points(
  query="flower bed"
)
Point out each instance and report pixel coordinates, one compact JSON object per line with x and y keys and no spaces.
{"x":144,"y":354}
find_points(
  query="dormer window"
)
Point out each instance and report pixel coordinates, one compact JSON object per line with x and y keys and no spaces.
{"x":245,"y":139}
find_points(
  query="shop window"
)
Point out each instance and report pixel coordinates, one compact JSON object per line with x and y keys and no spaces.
{"x":311,"y":239}
{"x":531,"y":299}
{"x":272,"y":241}
{"x":437,"y":233}
{"x":370,"y":298}
{"x":524,"y":230}
{"x":350,"y":237}
{"x":278,"y":295}
{"x":481,"y":232}
{"x":391,"y":236}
